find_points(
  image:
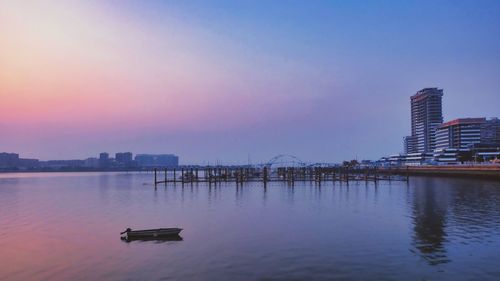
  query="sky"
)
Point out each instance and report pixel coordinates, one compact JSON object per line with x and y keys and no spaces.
{"x":237,"y":81}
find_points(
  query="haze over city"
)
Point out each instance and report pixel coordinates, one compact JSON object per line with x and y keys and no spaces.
{"x":225,"y":80}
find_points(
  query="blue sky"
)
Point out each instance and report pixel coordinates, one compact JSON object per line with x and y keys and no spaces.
{"x":322,"y":80}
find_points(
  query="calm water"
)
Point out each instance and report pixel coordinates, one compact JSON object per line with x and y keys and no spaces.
{"x":66,"y":227}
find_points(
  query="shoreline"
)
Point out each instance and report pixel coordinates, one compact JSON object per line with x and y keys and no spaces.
{"x":70,"y":171}
{"x":467,"y":171}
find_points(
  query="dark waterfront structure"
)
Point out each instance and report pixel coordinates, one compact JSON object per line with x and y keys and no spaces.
{"x":266,"y":174}
{"x":426,"y":116}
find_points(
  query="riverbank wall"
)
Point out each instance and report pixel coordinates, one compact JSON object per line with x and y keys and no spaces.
{"x":472,"y":171}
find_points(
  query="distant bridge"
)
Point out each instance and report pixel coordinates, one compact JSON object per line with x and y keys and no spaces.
{"x":286,"y":160}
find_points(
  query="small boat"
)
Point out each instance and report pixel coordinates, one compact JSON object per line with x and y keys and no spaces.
{"x":161,"y":239}
{"x":151,"y":233}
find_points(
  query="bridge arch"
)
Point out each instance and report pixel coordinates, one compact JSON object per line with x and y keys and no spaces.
{"x":284,"y":160}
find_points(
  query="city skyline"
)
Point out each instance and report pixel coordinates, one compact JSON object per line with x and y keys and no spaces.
{"x":103,"y":162}
{"x":324,"y":81}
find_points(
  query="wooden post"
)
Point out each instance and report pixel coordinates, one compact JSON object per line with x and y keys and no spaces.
{"x":155,"y":178}
{"x":265,"y":175}
{"x":347,"y":178}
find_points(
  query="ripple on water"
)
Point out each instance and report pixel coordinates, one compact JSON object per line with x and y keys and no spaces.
{"x":65,"y":227}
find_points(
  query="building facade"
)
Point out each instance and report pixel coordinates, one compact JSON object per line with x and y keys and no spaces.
{"x":490,"y":132}
{"x":409,"y":144}
{"x":12,"y":161}
{"x":123,"y":159}
{"x":157,"y":160}
{"x":460,"y":133}
{"x":104,"y":160}
{"x":91,"y":162}
{"x":426,"y":117}
{"x":8,"y":160}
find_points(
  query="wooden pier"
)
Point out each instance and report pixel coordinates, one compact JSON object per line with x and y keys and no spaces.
{"x":241,"y":175}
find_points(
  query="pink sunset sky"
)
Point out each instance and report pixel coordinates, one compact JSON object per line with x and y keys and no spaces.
{"x":226,"y":81}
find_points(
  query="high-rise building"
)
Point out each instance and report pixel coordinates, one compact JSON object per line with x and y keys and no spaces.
{"x":426,"y":116}
{"x":459,"y":133}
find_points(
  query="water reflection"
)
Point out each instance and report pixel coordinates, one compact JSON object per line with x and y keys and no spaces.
{"x":462,"y":210}
{"x":281,"y":232}
{"x":430,"y":204}
{"x":475,"y":211}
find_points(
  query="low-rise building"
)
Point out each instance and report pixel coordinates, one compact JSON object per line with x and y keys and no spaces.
{"x":157,"y":160}
{"x":25,"y":163}
{"x":104,"y":160}
{"x":123,"y":159}
{"x":418,"y":159}
{"x":460,"y":133}
{"x":8,"y":160}
{"x":91,"y":162}
{"x":62,"y":164}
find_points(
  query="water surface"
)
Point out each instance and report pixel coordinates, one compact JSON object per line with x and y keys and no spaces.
{"x":65,"y":226}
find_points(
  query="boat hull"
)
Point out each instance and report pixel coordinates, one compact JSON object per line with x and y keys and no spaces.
{"x":154,"y":233}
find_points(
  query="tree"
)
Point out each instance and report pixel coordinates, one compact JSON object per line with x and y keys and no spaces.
{"x":350,"y":164}
{"x":479,"y":159}
{"x":465,"y":156}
